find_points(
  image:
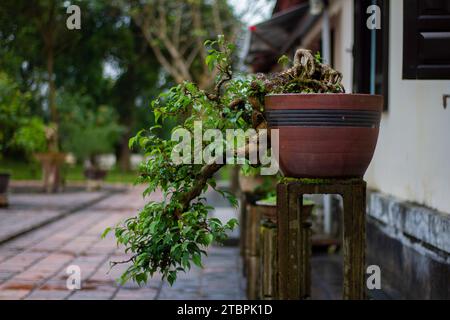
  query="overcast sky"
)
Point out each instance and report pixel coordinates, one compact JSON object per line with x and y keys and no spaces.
{"x":266,"y":7}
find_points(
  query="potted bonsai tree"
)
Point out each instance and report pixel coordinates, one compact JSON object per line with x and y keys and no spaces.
{"x":87,"y":134}
{"x":21,"y":132}
{"x":51,"y":160}
{"x":323,"y":132}
{"x":168,"y":236}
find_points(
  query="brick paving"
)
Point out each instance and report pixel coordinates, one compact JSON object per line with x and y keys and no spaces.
{"x":33,"y":265}
{"x":27,"y":211}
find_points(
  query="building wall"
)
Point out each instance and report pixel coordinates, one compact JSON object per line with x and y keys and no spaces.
{"x":409,"y":242}
{"x":342,"y":17}
{"x":412,"y":159}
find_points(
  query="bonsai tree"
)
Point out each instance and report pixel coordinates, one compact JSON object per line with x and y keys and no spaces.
{"x":88,"y":133}
{"x":168,"y":236}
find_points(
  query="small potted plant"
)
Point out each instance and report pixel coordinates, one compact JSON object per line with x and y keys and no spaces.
{"x":88,"y":134}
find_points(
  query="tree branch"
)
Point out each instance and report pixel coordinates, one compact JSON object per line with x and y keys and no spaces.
{"x":217,"y":20}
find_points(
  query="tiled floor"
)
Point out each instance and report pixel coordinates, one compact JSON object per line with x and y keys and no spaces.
{"x":34,"y":265}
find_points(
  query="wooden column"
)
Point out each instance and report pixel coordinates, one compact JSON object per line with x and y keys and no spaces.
{"x":294,"y":235}
{"x":247,"y":199}
{"x":354,"y":241}
{"x":253,"y":259}
{"x":268,"y":253}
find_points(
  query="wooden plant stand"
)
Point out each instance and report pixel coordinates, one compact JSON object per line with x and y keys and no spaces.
{"x":247,"y":200}
{"x":268,"y":260}
{"x":294,"y":235}
{"x":252,"y":253}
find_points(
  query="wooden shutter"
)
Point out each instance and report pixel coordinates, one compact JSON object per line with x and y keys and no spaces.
{"x":426,"y":39}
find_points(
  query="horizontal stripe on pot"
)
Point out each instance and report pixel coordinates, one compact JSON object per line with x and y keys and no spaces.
{"x":323,"y":118}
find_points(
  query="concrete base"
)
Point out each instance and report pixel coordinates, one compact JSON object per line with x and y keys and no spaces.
{"x":411,"y":245}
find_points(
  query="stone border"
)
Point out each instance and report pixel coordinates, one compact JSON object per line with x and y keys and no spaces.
{"x":425,"y":229}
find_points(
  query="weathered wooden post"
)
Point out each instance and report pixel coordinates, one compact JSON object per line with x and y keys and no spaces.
{"x":294,"y":235}
{"x":248,"y":200}
{"x":268,"y":258}
{"x":253,"y":263}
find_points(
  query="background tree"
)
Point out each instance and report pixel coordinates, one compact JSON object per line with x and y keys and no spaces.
{"x":35,"y":31}
{"x":107,"y":61}
{"x":176,"y":30}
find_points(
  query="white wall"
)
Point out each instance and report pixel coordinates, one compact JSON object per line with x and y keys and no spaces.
{"x":412,"y":159}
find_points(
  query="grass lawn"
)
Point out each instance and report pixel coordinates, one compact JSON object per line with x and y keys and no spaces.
{"x":21,"y":170}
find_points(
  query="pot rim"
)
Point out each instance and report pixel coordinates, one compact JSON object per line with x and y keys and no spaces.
{"x":325,"y":94}
{"x":332,"y":101}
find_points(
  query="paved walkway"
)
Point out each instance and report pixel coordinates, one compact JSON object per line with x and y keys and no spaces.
{"x":27,"y":212}
{"x":33,"y":265}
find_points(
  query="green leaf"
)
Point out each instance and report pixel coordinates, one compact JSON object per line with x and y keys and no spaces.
{"x":141,"y":278}
{"x":232,"y":223}
{"x":284,"y":61}
{"x":171,"y":277}
{"x":157,"y":114}
{"x":131,"y":142}
{"x":105,"y":233}
{"x":209,"y":239}
{"x":197,"y":259}
{"x":211,"y":61}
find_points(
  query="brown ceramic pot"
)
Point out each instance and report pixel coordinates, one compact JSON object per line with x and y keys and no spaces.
{"x":325,"y":135}
{"x":268,"y":211}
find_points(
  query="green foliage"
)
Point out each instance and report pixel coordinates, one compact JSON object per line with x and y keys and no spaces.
{"x":170,"y":236}
{"x":318,"y":57}
{"x":31,"y":170}
{"x":108,"y":40}
{"x":20,"y":131}
{"x":284,"y":61}
{"x":86,"y":131}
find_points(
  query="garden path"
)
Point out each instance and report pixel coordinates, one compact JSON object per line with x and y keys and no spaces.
{"x":33,"y":265}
